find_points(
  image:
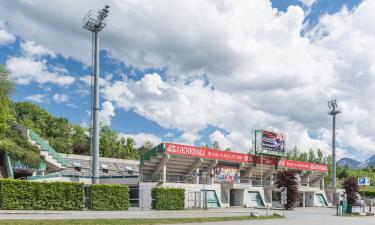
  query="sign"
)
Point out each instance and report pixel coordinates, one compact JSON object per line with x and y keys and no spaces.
{"x":364,"y":181}
{"x":192,"y":151}
{"x":273,"y":142}
{"x":227,"y":174}
{"x":297,"y":165}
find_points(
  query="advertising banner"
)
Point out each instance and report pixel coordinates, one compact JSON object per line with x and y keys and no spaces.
{"x":297,"y":165}
{"x":192,"y":151}
{"x":274,"y":142}
{"x":227,"y":174}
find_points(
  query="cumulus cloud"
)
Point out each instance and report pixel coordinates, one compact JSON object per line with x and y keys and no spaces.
{"x":26,"y":70}
{"x":32,"y":49}
{"x":5,"y":36}
{"x":60,"y":98}
{"x":107,"y":113}
{"x":260,"y":70}
{"x":39,"y":98}
{"x":141,"y":138}
{"x":235,"y":141}
{"x":308,"y":3}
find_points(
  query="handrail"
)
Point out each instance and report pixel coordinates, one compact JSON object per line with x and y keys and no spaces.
{"x":65,"y":175}
{"x":46,"y":147}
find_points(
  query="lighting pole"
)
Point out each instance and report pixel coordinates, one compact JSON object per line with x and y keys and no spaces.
{"x":95,"y":22}
{"x":333,"y":111}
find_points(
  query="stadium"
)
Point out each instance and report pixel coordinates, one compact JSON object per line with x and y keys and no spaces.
{"x":211,"y":178}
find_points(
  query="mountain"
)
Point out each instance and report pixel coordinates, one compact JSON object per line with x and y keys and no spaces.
{"x":368,"y":163}
{"x":351,"y":163}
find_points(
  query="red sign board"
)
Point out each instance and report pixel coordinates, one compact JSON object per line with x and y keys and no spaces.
{"x":192,"y":151}
{"x":291,"y":164}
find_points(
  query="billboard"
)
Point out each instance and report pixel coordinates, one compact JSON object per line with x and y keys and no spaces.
{"x":270,"y":143}
{"x":227,"y":174}
{"x":364,"y":181}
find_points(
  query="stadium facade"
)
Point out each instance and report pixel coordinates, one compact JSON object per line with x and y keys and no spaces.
{"x":210,"y":177}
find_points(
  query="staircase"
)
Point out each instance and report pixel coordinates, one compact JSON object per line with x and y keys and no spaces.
{"x":53,"y":159}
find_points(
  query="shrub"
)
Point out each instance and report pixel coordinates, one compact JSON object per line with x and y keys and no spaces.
{"x":108,"y":196}
{"x":351,"y":189}
{"x":288,"y":179}
{"x":168,"y":198}
{"x":19,"y":194}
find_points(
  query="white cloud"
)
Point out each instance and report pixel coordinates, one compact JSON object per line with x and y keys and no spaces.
{"x":32,"y":49}
{"x":308,"y":3}
{"x":235,"y":141}
{"x":27,"y":70}
{"x":40,"y":98}
{"x":107,"y":112}
{"x":261,"y":72}
{"x":141,"y":138}
{"x":60,"y":98}
{"x":5,"y":37}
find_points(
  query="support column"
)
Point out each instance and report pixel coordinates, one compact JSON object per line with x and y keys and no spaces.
{"x":303,"y":199}
{"x":322,"y":184}
{"x":308,"y":181}
{"x":197,"y":175}
{"x":250,"y":180}
{"x":164,"y":173}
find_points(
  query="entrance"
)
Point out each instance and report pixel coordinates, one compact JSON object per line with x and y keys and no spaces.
{"x":231,"y":197}
{"x":256,"y":199}
{"x":321,"y":201}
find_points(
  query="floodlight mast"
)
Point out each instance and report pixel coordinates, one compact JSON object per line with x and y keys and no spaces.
{"x":95,"y":22}
{"x":333,"y":111}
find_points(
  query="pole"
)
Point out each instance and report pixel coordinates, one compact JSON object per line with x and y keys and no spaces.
{"x":95,"y":138}
{"x":334,"y":153}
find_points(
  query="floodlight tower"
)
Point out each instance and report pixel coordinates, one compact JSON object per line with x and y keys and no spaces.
{"x":95,"y":21}
{"x":333,"y":111}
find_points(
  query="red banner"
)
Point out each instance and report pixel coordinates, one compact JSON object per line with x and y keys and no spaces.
{"x":192,"y":151}
{"x":291,"y":164}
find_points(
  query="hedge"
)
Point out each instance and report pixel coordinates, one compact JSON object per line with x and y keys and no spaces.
{"x":20,"y":194}
{"x":168,"y":198}
{"x":108,"y":197}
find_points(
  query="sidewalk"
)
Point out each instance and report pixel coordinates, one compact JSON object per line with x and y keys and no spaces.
{"x":43,"y":214}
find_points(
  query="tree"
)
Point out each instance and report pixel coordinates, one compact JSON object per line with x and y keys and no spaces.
{"x":311,"y":156}
{"x":108,"y":142}
{"x":147,"y":145}
{"x":6,"y":87}
{"x":351,"y":187}
{"x":215,"y":145}
{"x":227,"y":149}
{"x":288,"y":179}
{"x":320,"y":156}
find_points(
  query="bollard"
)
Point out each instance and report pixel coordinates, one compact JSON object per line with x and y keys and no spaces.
{"x":268,"y":209}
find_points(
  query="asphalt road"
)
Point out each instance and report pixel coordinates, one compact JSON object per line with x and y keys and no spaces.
{"x":299,"y":216}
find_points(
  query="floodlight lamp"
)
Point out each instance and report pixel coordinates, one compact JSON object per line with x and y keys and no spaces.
{"x":106,"y":6}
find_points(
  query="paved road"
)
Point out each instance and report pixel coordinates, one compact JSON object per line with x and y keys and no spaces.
{"x":307,"y":216}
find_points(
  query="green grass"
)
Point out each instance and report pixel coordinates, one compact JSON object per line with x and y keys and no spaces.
{"x":134,"y":221}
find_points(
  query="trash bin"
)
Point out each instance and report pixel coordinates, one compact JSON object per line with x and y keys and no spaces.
{"x":344,"y":205}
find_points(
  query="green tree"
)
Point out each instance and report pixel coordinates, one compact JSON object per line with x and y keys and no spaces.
{"x":227,"y":149}
{"x":108,"y":142}
{"x":311,"y":156}
{"x":215,"y":145}
{"x":6,"y":87}
{"x":320,"y":156}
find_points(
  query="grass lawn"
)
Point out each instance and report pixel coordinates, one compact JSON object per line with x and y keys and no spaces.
{"x":134,"y":221}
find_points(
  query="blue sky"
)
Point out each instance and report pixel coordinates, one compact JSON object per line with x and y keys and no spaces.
{"x":155,"y":65}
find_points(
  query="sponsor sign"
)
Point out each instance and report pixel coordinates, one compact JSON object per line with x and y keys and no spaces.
{"x":274,"y":142}
{"x":192,"y":151}
{"x":364,"y":181}
{"x":291,"y":164}
{"x":227,"y":174}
